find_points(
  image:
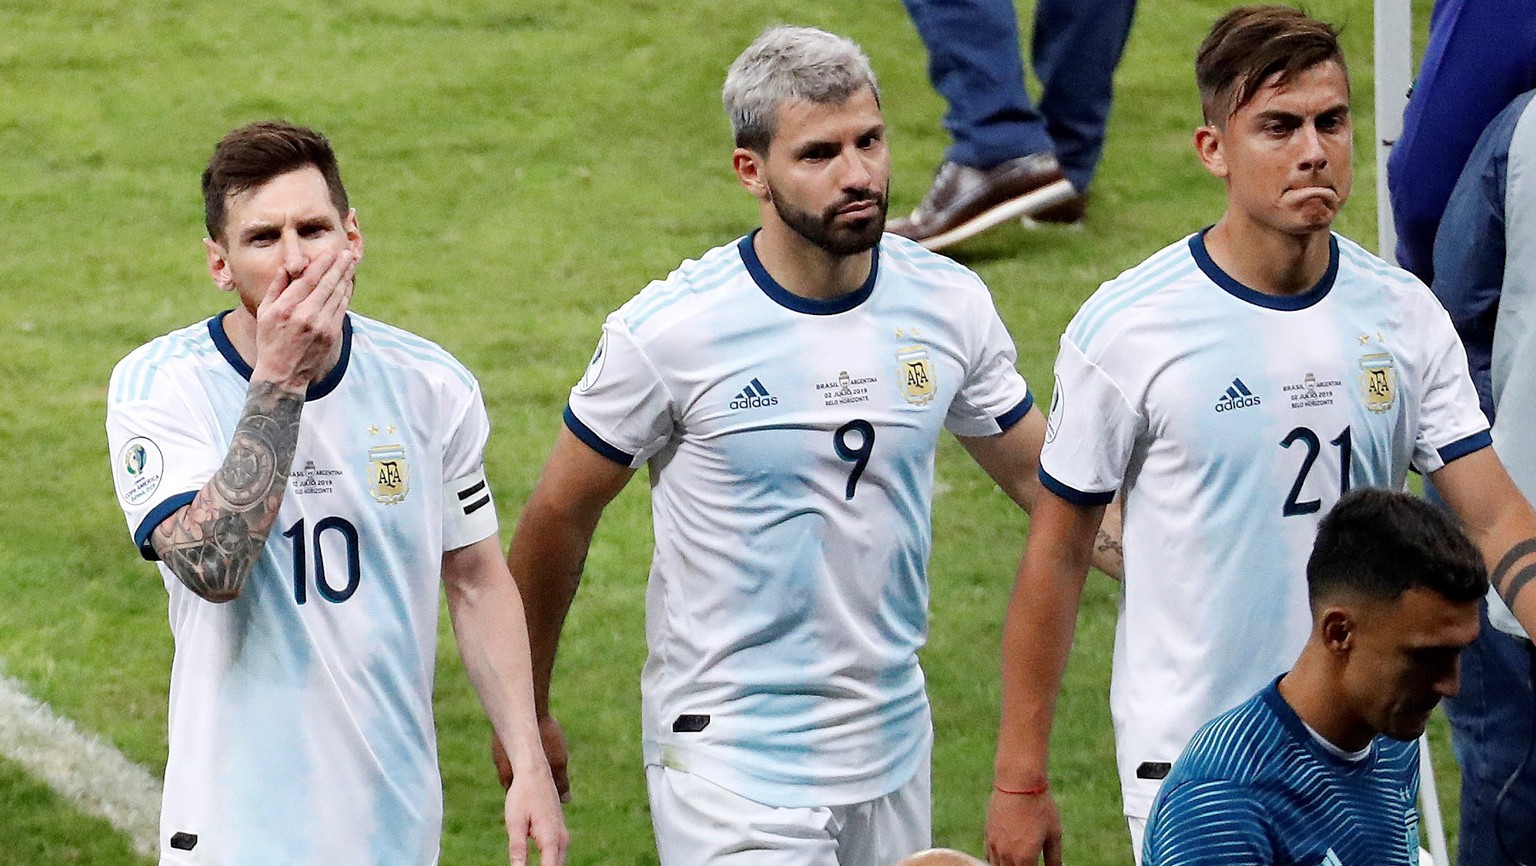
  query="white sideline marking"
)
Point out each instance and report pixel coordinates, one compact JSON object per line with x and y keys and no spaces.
{"x":81,"y":767}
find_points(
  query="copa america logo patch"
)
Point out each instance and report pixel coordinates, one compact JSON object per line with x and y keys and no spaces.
{"x":594,"y":366}
{"x":140,"y":468}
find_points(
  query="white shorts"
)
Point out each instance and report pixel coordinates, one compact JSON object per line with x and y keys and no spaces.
{"x":699,"y":823}
{"x":1138,"y":827}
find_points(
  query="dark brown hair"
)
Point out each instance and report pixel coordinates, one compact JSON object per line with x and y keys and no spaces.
{"x":1382,"y":543}
{"x":1251,"y":43}
{"x":254,"y":154}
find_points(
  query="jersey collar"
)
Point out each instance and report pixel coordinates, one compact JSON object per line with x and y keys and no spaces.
{"x":316,"y":389}
{"x":791,"y":301}
{"x":1299,"y":731}
{"x":1257,"y":298}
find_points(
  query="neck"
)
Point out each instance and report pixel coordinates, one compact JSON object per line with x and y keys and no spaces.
{"x":805,"y":269}
{"x":1266,"y":260}
{"x":1311,"y":690}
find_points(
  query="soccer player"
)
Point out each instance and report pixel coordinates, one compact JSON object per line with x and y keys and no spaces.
{"x":1321,"y":765}
{"x":787,"y":391}
{"x":305,"y":478}
{"x":1230,"y":389}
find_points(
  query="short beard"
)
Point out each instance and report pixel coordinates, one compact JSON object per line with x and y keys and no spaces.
{"x":858,"y":237}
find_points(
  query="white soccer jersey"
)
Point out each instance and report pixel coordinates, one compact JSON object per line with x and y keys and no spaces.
{"x":301,"y":713}
{"x":791,"y":447}
{"x":1231,"y":421}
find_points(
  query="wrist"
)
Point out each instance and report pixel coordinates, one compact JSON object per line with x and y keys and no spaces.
{"x":1022,"y":792}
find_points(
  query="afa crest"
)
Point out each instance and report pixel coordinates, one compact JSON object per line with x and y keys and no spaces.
{"x":389,"y":476}
{"x":914,"y":375}
{"x":1378,"y":383}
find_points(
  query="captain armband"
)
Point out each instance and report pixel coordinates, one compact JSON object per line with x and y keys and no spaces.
{"x":469,"y":514}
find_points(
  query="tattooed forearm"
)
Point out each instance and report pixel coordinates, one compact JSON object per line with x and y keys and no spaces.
{"x":1509,"y":580}
{"x":212,"y":544}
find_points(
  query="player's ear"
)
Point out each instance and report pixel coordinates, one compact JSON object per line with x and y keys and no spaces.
{"x":1208,"y":147}
{"x":354,"y":234}
{"x":1337,"y":627}
{"x":748,"y":164}
{"x":218,"y":265}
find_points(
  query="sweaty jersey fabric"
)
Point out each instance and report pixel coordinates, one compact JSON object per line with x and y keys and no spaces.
{"x":1231,"y":421}
{"x":791,"y":446}
{"x":1256,"y":788}
{"x":301,"y":712}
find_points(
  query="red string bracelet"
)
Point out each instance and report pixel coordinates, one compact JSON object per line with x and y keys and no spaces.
{"x":1023,"y":792}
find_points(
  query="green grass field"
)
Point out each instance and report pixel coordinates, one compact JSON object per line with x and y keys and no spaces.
{"x":519,"y":170}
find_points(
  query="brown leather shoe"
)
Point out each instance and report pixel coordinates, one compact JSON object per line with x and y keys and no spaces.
{"x":964,"y":201}
{"x":1068,"y":213}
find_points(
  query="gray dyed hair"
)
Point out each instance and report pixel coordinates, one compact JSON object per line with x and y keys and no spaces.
{"x":790,"y":63}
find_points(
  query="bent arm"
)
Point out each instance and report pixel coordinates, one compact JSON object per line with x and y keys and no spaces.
{"x":1012,"y":460}
{"x":550,"y":545}
{"x":1037,"y":637}
{"x":1500,"y":522}
{"x":212,"y":543}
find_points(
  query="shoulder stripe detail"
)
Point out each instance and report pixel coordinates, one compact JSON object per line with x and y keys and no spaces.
{"x":595,"y":442}
{"x":1462,"y":447}
{"x":154,"y":518}
{"x":136,"y":377}
{"x":1072,"y":494}
{"x":1362,"y":259}
{"x":417,"y":348}
{"x":1103,"y":307}
{"x":718,"y":267}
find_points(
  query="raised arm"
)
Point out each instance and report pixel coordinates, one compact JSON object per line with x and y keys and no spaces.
{"x":1012,"y":460}
{"x":487,"y":617}
{"x":1022,"y":820}
{"x":1500,"y":522}
{"x":548,"y":551}
{"x":212,"y":543}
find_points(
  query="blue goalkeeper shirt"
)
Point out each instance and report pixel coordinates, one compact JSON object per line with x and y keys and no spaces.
{"x":1256,"y":787}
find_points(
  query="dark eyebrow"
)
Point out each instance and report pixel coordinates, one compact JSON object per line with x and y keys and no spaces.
{"x":252,"y":231}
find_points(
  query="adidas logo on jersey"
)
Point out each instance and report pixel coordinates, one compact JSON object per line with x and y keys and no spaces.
{"x":1237,"y":397}
{"x":754,"y":396}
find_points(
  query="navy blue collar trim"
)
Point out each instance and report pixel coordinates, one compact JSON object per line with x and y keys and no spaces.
{"x":1257,"y":298}
{"x":1287,"y":716}
{"x":316,"y":389}
{"x":791,"y":301}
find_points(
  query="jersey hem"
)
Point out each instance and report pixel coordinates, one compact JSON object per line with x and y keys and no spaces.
{"x":1072,"y":494}
{"x":155,"y":517}
{"x":786,"y":793}
{"x":594,"y":441}
{"x":1462,"y":447}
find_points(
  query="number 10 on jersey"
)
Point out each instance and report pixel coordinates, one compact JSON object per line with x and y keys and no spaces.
{"x":339,"y":526}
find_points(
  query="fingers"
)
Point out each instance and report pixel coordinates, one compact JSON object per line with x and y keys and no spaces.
{"x":562,"y":778}
{"x":553,"y":840}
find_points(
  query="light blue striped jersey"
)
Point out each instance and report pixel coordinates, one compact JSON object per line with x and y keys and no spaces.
{"x":791,"y":449}
{"x":301,"y":712}
{"x":1256,"y":788}
{"x":1231,"y":421}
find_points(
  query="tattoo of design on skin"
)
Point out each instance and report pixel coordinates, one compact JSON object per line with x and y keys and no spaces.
{"x":212,"y":544}
{"x":1510,"y":586}
{"x":1108,"y":544}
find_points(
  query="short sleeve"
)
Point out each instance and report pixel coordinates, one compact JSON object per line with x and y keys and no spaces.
{"x":621,"y":408}
{"x":1090,"y":432}
{"x":1451,"y":422}
{"x":163,"y":451}
{"x":993,"y":396}
{"x":469,"y":514}
{"x":1209,"y":823}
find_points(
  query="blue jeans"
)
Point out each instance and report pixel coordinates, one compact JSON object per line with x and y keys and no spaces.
{"x":974,"y":63}
{"x":1491,"y":727}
